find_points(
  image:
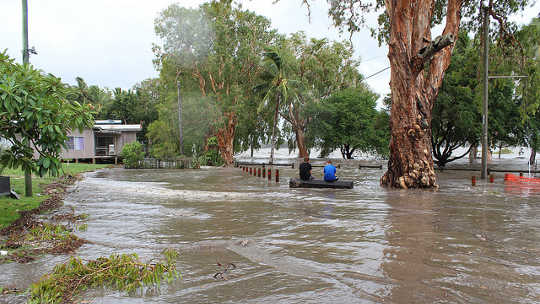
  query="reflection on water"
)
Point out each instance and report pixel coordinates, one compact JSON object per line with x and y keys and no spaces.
{"x":460,"y":244}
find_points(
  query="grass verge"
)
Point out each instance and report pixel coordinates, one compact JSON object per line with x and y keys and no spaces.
{"x":10,"y":208}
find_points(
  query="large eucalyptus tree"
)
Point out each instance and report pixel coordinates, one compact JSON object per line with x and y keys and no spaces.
{"x":220,"y":45}
{"x":418,"y":63}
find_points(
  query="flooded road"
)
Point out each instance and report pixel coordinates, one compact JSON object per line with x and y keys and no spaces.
{"x":460,"y":244}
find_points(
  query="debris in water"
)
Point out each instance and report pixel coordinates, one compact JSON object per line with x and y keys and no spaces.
{"x":481,"y":237}
{"x":220,"y":275}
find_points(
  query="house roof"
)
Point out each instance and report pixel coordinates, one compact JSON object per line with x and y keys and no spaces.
{"x":127,"y":128}
{"x":108,"y":122}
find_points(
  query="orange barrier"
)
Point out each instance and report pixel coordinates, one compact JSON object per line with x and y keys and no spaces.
{"x":514,"y":178}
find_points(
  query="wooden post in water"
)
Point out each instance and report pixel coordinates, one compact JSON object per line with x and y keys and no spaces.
{"x":473,"y":180}
{"x":277,"y":176}
{"x":269,"y":174}
{"x":491,"y":178}
{"x":264,"y":172}
{"x":259,"y":172}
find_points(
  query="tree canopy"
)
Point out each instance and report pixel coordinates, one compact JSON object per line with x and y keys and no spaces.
{"x":225,"y":66}
{"x":37,"y":110}
{"x":418,"y":63}
{"x":347,"y":121}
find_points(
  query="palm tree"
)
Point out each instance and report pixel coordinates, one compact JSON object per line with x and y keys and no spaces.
{"x":276,"y":88}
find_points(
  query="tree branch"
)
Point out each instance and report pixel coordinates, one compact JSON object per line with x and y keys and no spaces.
{"x":427,"y":52}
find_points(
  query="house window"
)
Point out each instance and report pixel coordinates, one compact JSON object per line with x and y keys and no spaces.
{"x":75,"y":143}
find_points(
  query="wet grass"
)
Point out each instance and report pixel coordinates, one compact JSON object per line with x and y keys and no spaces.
{"x":10,"y":208}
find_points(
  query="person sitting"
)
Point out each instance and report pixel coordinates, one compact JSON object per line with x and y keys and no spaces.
{"x":305,"y":170}
{"x":330,"y":172}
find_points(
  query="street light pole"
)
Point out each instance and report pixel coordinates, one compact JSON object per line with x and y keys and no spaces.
{"x":25,"y":53}
{"x":25,"y":57}
{"x":485,"y":148}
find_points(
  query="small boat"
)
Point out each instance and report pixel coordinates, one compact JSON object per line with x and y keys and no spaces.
{"x":319,"y":183}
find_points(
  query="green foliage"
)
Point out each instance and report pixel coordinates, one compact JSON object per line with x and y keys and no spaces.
{"x":211,"y":156}
{"x":36,"y":110}
{"x":456,"y":120}
{"x":82,"y":227}
{"x":132,"y":154}
{"x":47,"y":232}
{"x":349,"y":121}
{"x":529,"y":36}
{"x":300,"y":71}
{"x":120,"y":272}
{"x":133,"y":106}
{"x":223,"y":78}
{"x":350,"y":15}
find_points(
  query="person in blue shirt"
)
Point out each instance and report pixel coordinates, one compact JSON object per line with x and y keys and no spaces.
{"x":330,"y":172}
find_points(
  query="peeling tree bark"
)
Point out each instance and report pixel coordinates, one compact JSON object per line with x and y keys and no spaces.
{"x":225,"y":138}
{"x":301,"y":143}
{"x":415,"y":90}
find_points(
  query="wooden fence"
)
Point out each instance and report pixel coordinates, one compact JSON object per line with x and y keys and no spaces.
{"x":154,"y":163}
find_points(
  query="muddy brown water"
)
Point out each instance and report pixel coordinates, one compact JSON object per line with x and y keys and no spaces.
{"x":461,"y":244}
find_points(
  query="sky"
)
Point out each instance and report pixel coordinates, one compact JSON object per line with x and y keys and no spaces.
{"x":109,"y":43}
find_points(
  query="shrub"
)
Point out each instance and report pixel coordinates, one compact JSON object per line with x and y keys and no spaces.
{"x":132,"y":154}
{"x":211,"y":157}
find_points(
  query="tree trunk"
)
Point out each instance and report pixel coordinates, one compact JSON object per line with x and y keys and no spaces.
{"x":472,"y":153}
{"x":301,"y":143}
{"x":181,"y":139}
{"x":413,"y":90}
{"x":532,"y":159}
{"x":251,"y":147}
{"x":350,"y":152}
{"x":225,"y":139}
{"x":274,"y":132}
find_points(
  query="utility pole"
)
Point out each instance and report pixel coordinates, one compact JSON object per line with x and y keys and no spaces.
{"x":25,"y":57}
{"x":485,"y":148}
{"x":180,"y":118}
{"x":486,"y":77}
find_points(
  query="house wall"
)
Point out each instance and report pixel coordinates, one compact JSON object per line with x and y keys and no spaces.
{"x":89,"y":144}
{"x":124,"y":138}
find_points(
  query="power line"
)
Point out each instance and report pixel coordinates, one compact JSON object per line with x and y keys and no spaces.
{"x":377,"y":73}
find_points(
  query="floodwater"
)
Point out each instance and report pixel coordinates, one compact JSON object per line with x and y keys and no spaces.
{"x":461,"y":244}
